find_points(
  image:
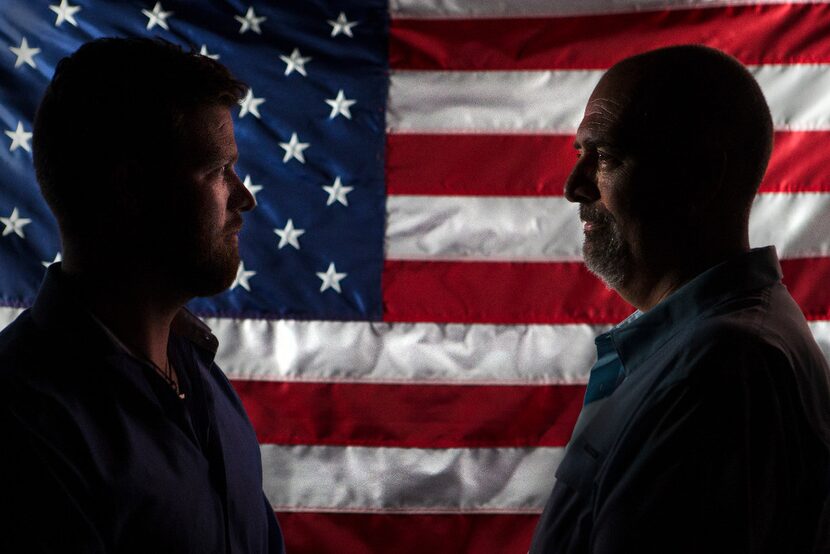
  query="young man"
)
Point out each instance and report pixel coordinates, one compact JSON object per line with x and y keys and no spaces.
{"x":121,"y":434}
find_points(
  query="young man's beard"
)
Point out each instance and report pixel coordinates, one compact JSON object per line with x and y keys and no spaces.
{"x":605,"y":252}
{"x":215,"y":271}
{"x":202,"y":266}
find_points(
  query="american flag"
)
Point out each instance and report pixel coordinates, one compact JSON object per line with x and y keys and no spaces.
{"x":412,"y":326}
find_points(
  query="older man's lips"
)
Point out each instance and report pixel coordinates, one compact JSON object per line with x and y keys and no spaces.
{"x":589,"y":225}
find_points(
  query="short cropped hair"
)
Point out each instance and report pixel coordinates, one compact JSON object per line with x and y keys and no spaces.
{"x":699,"y":103}
{"x":116,"y":103}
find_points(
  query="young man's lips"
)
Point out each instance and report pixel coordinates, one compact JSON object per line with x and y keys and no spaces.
{"x":590,"y":225}
{"x":234,"y":227}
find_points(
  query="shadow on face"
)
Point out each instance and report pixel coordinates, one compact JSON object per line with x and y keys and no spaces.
{"x":195,"y":201}
{"x":159,"y":195}
{"x":672,"y":148}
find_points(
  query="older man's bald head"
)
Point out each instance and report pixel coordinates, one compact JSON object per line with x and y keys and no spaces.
{"x":672,"y":148}
{"x":696,"y":107}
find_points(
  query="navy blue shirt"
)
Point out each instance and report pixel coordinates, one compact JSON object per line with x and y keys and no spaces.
{"x":100,"y":454}
{"x":717,"y":439}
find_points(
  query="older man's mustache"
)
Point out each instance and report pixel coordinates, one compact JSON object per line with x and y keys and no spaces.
{"x":594,"y":214}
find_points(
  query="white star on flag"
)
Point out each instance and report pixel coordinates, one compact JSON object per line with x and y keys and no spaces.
{"x":289,"y":235}
{"x":25,"y":54}
{"x":294,"y":149}
{"x":337,"y":192}
{"x":157,"y":17}
{"x":250,"y":21}
{"x":340,"y":105}
{"x":342,"y":25}
{"x":252,"y":188}
{"x":295,"y":62}
{"x":20,"y":138}
{"x":14,"y":224}
{"x":66,"y":12}
{"x":57,"y":259}
{"x":250,"y":104}
{"x":242,"y":277}
{"x":331,"y":279}
{"x":204,"y":52}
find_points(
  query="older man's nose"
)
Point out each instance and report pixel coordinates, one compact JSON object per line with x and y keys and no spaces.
{"x":581,"y":183}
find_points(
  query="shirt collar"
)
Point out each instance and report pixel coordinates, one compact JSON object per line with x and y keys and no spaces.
{"x":59,"y":308}
{"x":638,"y":336}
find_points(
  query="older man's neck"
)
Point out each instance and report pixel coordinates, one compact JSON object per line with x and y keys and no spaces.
{"x":647,"y":288}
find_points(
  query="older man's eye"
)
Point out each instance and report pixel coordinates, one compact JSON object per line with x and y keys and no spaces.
{"x":606,"y":159}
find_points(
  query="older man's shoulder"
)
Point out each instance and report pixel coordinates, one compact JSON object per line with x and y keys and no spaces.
{"x":748,"y":335}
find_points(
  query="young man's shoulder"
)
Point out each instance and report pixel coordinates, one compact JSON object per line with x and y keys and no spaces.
{"x":22,"y":346}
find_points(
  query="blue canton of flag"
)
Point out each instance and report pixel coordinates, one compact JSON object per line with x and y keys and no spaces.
{"x":310,"y":133}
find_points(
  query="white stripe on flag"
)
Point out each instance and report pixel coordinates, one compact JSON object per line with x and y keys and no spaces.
{"x":426,"y":9}
{"x":492,"y":101}
{"x":7,"y":315}
{"x":408,"y":480}
{"x":821,"y":332}
{"x":483,"y":228}
{"x":501,"y":228}
{"x":798,"y":224}
{"x":553,"y":101}
{"x":418,"y":353}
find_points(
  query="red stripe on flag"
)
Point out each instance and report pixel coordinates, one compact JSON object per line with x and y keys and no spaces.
{"x":798,"y":163}
{"x":497,"y":292}
{"x":759,"y":34}
{"x":410,"y":533}
{"x":537,"y":165}
{"x":554,"y":292}
{"x":417,"y":416}
{"x":464,"y":164}
{"x":807,"y":280}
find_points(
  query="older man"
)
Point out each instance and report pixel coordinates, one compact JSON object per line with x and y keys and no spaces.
{"x":120,"y":434}
{"x":706,"y":425}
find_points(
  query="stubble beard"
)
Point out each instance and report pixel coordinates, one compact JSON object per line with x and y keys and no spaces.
{"x":605,"y":252}
{"x":205,"y":263}
{"x":215,"y":269}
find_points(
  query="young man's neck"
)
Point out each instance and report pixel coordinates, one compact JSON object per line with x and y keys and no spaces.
{"x":135,"y":307}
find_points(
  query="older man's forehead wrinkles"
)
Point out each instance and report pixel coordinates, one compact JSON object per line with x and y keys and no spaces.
{"x":601,"y":124}
{"x":606,"y":110}
{"x":593,"y":134}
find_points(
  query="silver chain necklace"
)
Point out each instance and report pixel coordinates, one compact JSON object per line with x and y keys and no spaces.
{"x":167,"y":375}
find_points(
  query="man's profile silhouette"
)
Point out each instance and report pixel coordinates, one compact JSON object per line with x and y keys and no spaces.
{"x":705,"y":425}
{"x":122,"y":434}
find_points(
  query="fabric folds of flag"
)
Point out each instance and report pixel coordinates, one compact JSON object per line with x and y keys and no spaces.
{"x":412,"y":327}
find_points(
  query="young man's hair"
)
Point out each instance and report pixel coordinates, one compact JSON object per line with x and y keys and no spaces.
{"x":113,"y":108}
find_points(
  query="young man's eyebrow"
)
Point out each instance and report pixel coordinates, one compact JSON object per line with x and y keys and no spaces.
{"x":217,"y":156}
